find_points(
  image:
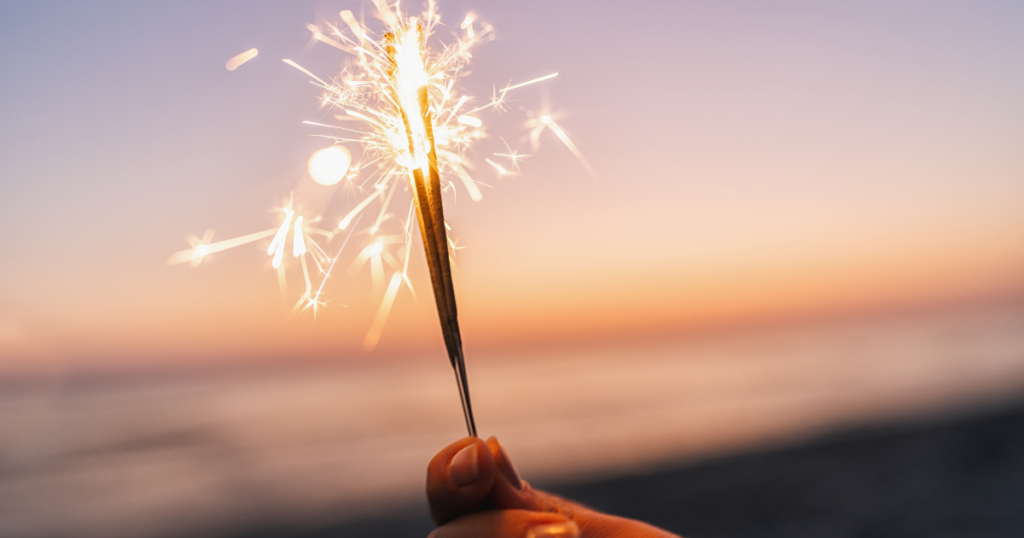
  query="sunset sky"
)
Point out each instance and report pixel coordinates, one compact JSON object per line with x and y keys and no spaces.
{"x":753,"y":162}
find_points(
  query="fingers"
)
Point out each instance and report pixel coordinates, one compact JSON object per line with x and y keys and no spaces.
{"x":469,"y":474}
{"x":509,"y":524}
{"x":459,"y":479}
{"x":510,"y":491}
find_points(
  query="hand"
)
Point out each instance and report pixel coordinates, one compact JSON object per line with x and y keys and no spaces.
{"x":475,"y":492}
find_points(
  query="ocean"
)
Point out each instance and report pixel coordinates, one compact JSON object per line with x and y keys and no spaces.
{"x":282,"y":452}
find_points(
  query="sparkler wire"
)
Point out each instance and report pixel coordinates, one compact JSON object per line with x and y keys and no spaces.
{"x":430,"y":213}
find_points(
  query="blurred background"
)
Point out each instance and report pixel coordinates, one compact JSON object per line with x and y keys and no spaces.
{"x":790,"y":300}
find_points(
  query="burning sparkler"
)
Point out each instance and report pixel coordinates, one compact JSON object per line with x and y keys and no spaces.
{"x":414,"y":129}
{"x":399,"y":92}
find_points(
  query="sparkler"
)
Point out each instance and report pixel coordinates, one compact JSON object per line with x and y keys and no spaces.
{"x":399,"y":106}
{"x":414,"y":129}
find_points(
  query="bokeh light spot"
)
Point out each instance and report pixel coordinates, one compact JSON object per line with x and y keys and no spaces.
{"x":329,"y":165}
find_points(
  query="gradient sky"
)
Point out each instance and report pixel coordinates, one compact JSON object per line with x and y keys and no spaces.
{"x":752,"y":161}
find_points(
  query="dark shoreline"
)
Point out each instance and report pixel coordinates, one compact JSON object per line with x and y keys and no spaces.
{"x":958,"y":474}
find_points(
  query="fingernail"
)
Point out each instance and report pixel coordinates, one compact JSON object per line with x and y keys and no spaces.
{"x":555,"y":530}
{"x":464,"y":469}
{"x":505,"y":464}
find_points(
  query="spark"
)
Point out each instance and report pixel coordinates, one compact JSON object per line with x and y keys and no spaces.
{"x":276,"y":248}
{"x":307,"y":122}
{"x":298,"y":243}
{"x":353,"y":25}
{"x":513,"y":157}
{"x":545,"y":121}
{"x":373,"y":335}
{"x":304,"y":246}
{"x":237,"y":61}
{"x":319,"y":36}
{"x":304,"y":70}
{"x":314,"y":302}
{"x":201,"y":249}
{"x":501,"y":169}
{"x":470,"y":121}
{"x":358,"y":209}
{"x":528,"y":82}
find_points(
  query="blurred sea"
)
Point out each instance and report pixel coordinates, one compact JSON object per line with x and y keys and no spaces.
{"x":231,"y":454}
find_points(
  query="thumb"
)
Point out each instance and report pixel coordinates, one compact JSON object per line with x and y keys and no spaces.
{"x":510,"y":491}
{"x":459,"y":479}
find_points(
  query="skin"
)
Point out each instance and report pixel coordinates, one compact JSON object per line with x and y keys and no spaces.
{"x":490,"y":500}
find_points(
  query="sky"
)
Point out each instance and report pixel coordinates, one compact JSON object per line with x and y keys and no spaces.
{"x":752,"y":162}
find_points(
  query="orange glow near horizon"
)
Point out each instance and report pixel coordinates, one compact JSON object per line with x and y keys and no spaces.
{"x":774,"y":164}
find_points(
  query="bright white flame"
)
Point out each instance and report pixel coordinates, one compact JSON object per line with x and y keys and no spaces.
{"x":409,"y":78}
{"x":329,"y":165}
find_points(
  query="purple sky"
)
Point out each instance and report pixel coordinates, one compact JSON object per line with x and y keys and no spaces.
{"x":751,"y":161}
